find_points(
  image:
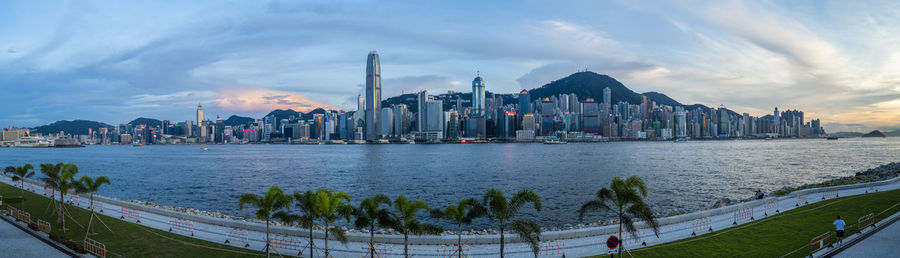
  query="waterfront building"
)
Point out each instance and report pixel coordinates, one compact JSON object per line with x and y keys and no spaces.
{"x":524,"y":102}
{"x":199,"y":113}
{"x":547,"y":115}
{"x":528,"y":122}
{"x":188,"y":128}
{"x":387,"y":124}
{"x":373,"y":96}
{"x":422,"y":98}
{"x":401,"y":119}
{"x":607,"y":97}
{"x":723,"y":121}
{"x":591,"y":116}
{"x":435,"y":120}
{"x":478,"y":95}
{"x":219,"y":135}
{"x":680,"y":122}
{"x":452,"y":129}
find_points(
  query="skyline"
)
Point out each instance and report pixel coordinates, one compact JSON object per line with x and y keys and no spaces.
{"x":833,"y":60}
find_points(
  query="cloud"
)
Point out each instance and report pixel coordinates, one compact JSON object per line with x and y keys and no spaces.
{"x":264,"y":100}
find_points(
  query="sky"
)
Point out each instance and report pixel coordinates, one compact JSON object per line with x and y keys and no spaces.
{"x":113,"y":61}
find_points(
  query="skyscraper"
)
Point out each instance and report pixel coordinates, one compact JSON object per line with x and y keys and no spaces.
{"x":607,"y":97}
{"x":524,"y":103}
{"x":373,"y":96}
{"x":387,"y":125}
{"x":478,"y":96}
{"x":421,"y":113}
{"x":199,"y":113}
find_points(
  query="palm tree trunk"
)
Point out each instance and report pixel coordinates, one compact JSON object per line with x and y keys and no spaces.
{"x":459,"y":239}
{"x":502,"y":243}
{"x":310,"y":241}
{"x":620,"y":234}
{"x":23,"y":196}
{"x":326,"y":239}
{"x":406,"y":243}
{"x":267,"y":238}
{"x":372,"y":241}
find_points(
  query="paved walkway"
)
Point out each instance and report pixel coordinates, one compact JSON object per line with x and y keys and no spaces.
{"x":884,"y":243}
{"x":17,"y":243}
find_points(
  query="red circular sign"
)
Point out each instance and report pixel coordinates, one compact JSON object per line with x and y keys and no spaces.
{"x":612,"y":242}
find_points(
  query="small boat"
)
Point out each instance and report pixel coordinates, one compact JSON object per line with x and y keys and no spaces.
{"x":411,"y":141}
{"x":832,"y":138}
{"x":204,"y":148}
{"x":554,"y":142}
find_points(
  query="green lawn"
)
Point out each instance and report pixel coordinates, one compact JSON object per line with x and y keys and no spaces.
{"x":128,"y":239}
{"x":778,"y":235}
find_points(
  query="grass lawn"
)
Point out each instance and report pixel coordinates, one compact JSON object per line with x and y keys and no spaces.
{"x":778,"y":235}
{"x":128,"y":239}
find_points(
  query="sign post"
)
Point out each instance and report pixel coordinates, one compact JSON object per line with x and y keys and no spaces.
{"x":612,"y":243}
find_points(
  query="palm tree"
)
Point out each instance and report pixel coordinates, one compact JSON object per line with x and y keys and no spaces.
{"x":306,"y":202}
{"x":268,"y":207}
{"x":503,"y":210}
{"x":64,"y":184}
{"x":371,"y":212}
{"x":19,"y":174}
{"x":404,"y":220}
{"x":627,"y":199}
{"x":330,"y":206}
{"x":90,"y":185}
{"x":463,"y":213}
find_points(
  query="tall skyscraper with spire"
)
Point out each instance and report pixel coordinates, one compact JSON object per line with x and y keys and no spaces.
{"x":199,"y":113}
{"x":478,"y":96}
{"x":373,"y":96}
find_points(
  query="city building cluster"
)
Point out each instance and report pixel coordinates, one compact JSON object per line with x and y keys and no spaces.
{"x":443,"y":118}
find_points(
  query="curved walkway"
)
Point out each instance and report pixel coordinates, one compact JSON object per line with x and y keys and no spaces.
{"x":571,"y":243}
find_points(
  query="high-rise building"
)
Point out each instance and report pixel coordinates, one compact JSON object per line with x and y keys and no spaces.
{"x":524,"y":102}
{"x":401,"y":122}
{"x":199,"y":114}
{"x":373,"y":96}
{"x":547,"y":113}
{"x":680,"y":122}
{"x":591,"y":116}
{"x":435,"y":116}
{"x":723,"y":121}
{"x":607,"y":97}
{"x":478,"y":88}
{"x":387,"y":124}
{"x":421,"y":110}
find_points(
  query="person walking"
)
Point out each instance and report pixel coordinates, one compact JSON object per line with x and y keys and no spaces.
{"x":839,"y":228}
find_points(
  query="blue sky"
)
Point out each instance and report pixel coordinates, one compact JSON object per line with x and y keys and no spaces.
{"x":112,"y":61}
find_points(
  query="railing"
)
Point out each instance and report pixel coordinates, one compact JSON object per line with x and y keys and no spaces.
{"x":286,"y":242}
{"x":820,"y":242}
{"x":702,"y":224}
{"x":552,"y":248}
{"x":384,"y":250}
{"x":744,"y":213}
{"x":865,"y":221}
{"x":830,"y":194}
{"x":129,"y":213}
{"x":237,"y":236}
{"x":185,"y":226}
{"x":43,"y":226}
{"x":94,"y":247}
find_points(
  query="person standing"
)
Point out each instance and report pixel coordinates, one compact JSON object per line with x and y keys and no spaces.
{"x":839,"y":228}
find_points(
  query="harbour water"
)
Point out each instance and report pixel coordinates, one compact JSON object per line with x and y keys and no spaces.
{"x":680,"y":176}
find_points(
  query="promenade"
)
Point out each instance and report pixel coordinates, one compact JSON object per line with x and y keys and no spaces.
{"x":13,"y":239}
{"x":884,"y":243}
{"x":571,"y":243}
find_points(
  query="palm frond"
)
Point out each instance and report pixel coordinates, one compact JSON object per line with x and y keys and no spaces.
{"x":592,"y":205}
{"x":528,"y":231}
{"x":523,"y":197}
{"x":338,"y":234}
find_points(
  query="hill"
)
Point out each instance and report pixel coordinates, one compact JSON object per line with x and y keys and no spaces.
{"x":875,"y":133}
{"x":587,"y":85}
{"x":75,"y":127}
{"x":846,"y":134}
{"x":145,"y":121}
{"x":288,"y":114}
{"x":238,"y":120}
